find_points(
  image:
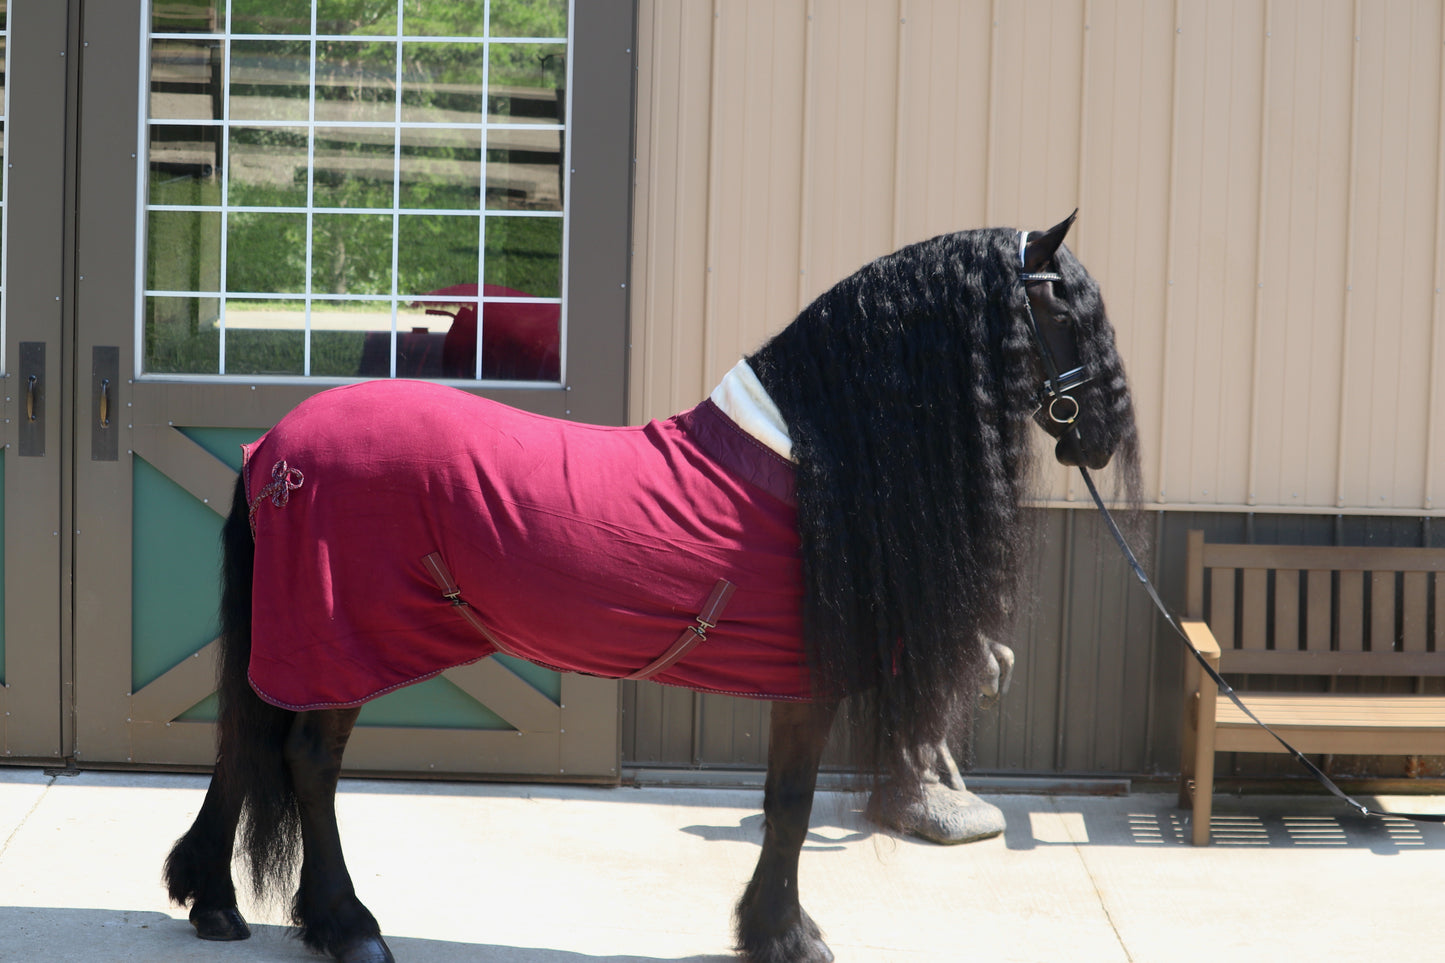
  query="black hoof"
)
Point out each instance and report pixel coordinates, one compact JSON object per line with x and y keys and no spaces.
{"x":806,"y":950}
{"x":798,"y":942}
{"x":220,"y":924}
{"x":372,"y":949}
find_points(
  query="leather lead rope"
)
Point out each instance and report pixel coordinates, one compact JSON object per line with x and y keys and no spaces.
{"x":1225,"y":687}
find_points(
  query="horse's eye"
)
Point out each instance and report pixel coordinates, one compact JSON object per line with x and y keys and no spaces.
{"x":1065,"y":320}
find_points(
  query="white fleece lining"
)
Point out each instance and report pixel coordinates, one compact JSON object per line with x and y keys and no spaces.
{"x":740,"y":396}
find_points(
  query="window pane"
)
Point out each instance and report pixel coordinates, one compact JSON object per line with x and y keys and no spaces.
{"x":442,"y":83}
{"x":351,"y":253}
{"x":520,"y":341}
{"x":525,"y":170}
{"x":441,"y":169}
{"x":330,"y":185}
{"x":351,"y":338}
{"x":176,"y":16}
{"x":266,"y":253}
{"x":353,"y":167}
{"x":183,"y":251}
{"x":186,"y":80}
{"x":270,"y":16}
{"x":529,"y":18}
{"x":268,"y":167}
{"x":265,"y":337}
{"x":270,"y":79}
{"x":349,"y":17}
{"x":435,"y":252}
{"x":355,"y":81}
{"x":183,"y":165}
{"x":425,"y":346}
{"x":525,"y":85}
{"x":180,"y":335}
{"x":444,"y":18}
{"x":525,"y":254}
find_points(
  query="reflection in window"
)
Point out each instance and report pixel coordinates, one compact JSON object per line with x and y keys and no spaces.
{"x":340,"y":189}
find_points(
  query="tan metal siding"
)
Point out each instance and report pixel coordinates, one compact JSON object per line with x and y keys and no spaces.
{"x":1260,"y":184}
{"x":1308,"y":160}
{"x":1391,"y":291}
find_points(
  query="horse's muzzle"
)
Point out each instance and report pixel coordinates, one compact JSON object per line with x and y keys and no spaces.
{"x":1071,"y":453}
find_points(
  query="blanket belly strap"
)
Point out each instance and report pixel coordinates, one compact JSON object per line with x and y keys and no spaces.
{"x":453,"y":593}
{"x":693,"y":635}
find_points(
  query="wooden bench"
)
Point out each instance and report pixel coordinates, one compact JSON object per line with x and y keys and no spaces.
{"x":1289,"y":610}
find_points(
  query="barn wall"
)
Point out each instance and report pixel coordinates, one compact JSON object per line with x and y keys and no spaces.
{"x":1260,"y":185}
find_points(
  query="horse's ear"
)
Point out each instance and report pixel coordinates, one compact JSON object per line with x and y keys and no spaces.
{"x":1042,"y":245}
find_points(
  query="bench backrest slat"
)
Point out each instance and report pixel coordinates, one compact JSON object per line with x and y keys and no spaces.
{"x":1320,"y":610}
{"x":1336,"y":559}
{"x":1254,"y":626}
{"x":1415,"y":608}
{"x":1439,"y":612}
{"x":1221,"y":590}
{"x":1286,"y":603}
{"x":1352,"y":611}
{"x":1317,"y":632}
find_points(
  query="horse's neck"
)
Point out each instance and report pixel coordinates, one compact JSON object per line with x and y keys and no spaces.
{"x":741,"y":396}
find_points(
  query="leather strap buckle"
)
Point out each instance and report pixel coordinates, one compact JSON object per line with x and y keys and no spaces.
{"x":693,"y":635}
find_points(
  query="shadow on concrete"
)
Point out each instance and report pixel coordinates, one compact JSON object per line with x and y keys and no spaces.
{"x":821,"y":839}
{"x":1238,"y":822}
{"x":56,"y":934}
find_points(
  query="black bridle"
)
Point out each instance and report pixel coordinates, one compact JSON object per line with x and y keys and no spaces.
{"x":1053,"y":404}
{"x":1055,"y":389}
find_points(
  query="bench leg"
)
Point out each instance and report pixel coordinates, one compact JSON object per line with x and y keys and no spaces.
{"x":1188,"y":748}
{"x":1203,"y":768}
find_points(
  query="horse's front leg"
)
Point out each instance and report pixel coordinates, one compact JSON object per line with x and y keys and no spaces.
{"x":331,"y":918}
{"x":771,"y":924}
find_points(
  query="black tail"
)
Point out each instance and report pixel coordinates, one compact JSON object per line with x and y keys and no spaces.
{"x":251,"y":776}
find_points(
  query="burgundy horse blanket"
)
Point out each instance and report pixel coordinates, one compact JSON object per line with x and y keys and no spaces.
{"x":403,"y":528}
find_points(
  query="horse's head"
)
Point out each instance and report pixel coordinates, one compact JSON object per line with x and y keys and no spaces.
{"x":1083,"y":400}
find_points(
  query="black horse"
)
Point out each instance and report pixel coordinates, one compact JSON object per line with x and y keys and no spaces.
{"x":905,"y":396}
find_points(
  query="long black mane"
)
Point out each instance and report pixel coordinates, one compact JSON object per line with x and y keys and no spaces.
{"x":907,"y":390}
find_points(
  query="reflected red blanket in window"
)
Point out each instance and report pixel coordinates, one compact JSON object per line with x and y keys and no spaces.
{"x":582,"y":548}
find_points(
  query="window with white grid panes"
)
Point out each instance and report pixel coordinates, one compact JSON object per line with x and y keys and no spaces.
{"x":354,"y":188}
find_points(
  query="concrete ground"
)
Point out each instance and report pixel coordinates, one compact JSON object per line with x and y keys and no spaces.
{"x":540,"y":874}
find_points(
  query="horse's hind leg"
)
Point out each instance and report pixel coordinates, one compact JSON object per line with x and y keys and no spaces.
{"x":198,"y":869}
{"x":771,"y":924}
{"x":331,"y":918}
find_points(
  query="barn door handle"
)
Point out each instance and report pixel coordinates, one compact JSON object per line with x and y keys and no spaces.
{"x":32,"y":373}
{"x":105,"y":370}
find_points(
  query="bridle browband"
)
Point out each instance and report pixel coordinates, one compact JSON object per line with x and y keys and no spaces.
{"x":1053,"y":397}
{"x":1056,"y":389}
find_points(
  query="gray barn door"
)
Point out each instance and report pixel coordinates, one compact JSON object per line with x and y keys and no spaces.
{"x":283,"y":195}
{"x":33,"y":313}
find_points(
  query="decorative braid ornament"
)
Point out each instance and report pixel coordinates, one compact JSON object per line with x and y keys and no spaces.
{"x":284,"y":480}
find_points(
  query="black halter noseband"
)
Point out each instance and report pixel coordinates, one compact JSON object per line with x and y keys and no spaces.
{"x":1053,"y":398}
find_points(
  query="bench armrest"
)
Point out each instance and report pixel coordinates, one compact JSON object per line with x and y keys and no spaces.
{"x":1195,"y":680}
{"x":1203,"y":639}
